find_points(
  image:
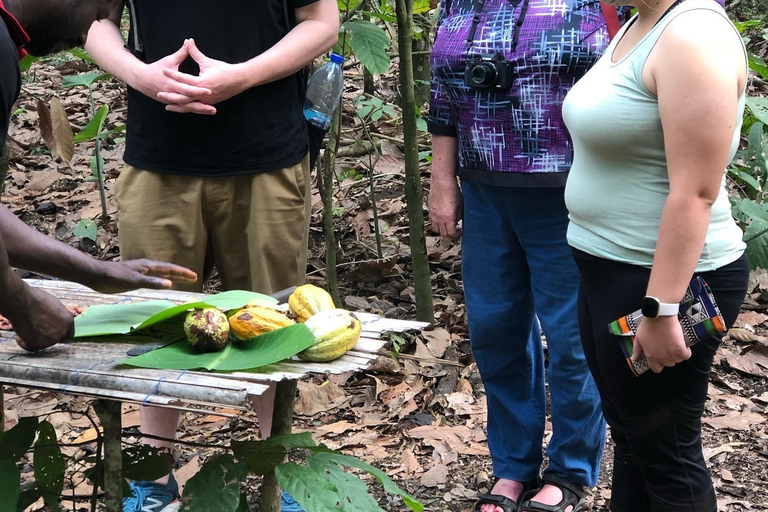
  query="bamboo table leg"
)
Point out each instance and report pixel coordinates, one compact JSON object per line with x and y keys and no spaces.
{"x":285,"y":396}
{"x":109,"y":412}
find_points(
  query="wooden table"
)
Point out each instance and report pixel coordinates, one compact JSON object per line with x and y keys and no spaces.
{"x":93,"y":369}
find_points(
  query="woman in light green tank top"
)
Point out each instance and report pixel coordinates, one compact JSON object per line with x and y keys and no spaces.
{"x":654,"y":124}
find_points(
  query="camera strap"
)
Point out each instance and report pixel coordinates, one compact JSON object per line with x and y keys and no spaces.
{"x":478,"y":9}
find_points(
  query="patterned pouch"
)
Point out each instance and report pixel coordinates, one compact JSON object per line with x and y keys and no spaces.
{"x":699,"y":316}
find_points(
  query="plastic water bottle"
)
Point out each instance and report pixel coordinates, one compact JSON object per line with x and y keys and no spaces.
{"x":324,"y":93}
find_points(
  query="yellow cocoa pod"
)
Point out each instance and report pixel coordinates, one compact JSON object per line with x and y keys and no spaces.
{"x":255,"y":319}
{"x":336,"y":332}
{"x":308,"y":300}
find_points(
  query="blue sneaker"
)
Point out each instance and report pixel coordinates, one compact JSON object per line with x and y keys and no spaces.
{"x":153,"y":497}
{"x":289,"y":504}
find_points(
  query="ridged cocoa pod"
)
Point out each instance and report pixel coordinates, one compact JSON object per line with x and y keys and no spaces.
{"x":207,"y":329}
{"x":336,"y":332}
{"x":308,"y":300}
{"x":254,"y":320}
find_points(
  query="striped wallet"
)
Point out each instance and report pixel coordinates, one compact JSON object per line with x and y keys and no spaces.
{"x":699,"y":317}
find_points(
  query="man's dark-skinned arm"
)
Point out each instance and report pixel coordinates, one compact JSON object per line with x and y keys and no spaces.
{"x":39,"y":319}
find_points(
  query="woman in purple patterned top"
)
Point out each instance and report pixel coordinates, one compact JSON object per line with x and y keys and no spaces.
{"x":500,"y":73}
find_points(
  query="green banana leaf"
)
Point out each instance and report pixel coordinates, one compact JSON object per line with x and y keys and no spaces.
{"x":104,"y":320}
{"x":237,"y":356}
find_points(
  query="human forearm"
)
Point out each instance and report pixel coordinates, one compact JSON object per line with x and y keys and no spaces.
{"x":446,"y":207}
{"x":297,"y":49}
{"x":106,"y":45}
{"x":682,"y":232}
{"x":444,"y":159}
{"x":29,"y":249}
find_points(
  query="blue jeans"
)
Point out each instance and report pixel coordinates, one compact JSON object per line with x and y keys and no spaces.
{"x":518,"y":267}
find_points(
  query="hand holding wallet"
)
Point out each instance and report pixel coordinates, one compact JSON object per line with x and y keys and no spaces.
{"x":699,"y":317}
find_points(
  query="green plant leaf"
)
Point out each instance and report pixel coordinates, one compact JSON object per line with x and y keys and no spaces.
{"x":10,"y":486}
{"x":83,"y":80}
{"x":93,"y":129}
{"x":389,"y":485}
{"x":104,"y":320}
{"x":421,"y":124}
{"x":27,"y":498}
{"x":17,"y":441}
{"x":27,"y":62}
{"x":215,"y":487}
{"x":347,"y":4}
{"x":144,"y":462}
{"x":370,"y":43}
{"x":310,"y":490}
{"x":355,"y":496}
{"x":759,"y":108}
{"x":749,"y":180}
{"x":82,"y":53}
{"x":263,"y":457}
{"x":758,"y":65}
{"x":49,"y":465}
{"x":753,"y":210}
{"x":232,"y":299}
{"x":86,"y":228}
{"x":756,"y":238}
{"x":238,"y":356}
{"x":421,"y":6}
{"x":380,"y":15}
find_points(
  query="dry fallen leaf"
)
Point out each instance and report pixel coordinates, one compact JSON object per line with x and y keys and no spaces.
{"x":438,"y":341}
{"x":436,"y":476}
{"x":56,"y":130}
{"x":735,"y":420}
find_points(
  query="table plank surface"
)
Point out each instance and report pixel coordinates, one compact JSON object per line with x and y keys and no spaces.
{"x":93,"y":369}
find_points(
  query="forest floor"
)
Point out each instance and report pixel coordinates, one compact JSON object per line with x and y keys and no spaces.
{"x":419,"y":418}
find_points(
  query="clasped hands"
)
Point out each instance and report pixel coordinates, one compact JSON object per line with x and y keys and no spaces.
{"x":185,"y":93}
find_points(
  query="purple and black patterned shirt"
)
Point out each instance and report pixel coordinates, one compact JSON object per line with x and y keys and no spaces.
{"x":515,"y":137}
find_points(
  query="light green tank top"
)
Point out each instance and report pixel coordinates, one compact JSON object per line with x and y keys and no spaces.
{"x":618,"y":183}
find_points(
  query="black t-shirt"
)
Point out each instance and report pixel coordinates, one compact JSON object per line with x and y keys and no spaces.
{"x":261,"y":129}
{"x":10,"y":79}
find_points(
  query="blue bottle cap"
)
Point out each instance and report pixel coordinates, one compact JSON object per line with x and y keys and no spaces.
{"x":337,"y":58}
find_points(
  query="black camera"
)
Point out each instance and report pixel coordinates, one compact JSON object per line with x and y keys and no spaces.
{"x":491,"y":71}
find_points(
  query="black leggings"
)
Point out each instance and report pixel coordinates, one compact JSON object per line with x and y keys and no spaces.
{"x":655,"y":419}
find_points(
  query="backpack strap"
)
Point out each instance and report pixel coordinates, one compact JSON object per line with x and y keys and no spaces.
{"x":611,"y":19}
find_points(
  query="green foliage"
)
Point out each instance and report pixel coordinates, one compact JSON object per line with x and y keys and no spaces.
{"x":17,"y":441}
{"x":262,"y":350}
{"x":94,"y":127}
{"x":215,"y":487}
{"x":10,"y":485}
{"x":144,"y":462}
{"x":374,"y":108}
{"x":86,"y":228}
{"x":749,"y":172}
{"x":27,"y":62}
{"x":49,"y":465}
{"x":370,"y":43}
{"x":83,"y":80}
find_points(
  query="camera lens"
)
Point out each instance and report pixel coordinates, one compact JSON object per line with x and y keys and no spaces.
{"x":484,"y":74}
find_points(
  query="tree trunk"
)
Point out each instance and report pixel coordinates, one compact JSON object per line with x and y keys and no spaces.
{"x":282,"y":421}
{"x":413,"y":192}
{"x":422,"y":72}
{"x":325,"y":183}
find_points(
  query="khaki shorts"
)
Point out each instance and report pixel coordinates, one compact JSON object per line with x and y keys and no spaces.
{"x":254,"y":228}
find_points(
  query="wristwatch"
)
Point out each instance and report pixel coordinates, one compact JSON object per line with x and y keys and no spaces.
{"x":651,"y":307}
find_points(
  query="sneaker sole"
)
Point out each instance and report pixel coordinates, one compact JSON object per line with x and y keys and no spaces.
{"x":173,"y":507}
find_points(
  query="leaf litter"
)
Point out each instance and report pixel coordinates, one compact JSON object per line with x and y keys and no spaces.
{"x":413,"y":417}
